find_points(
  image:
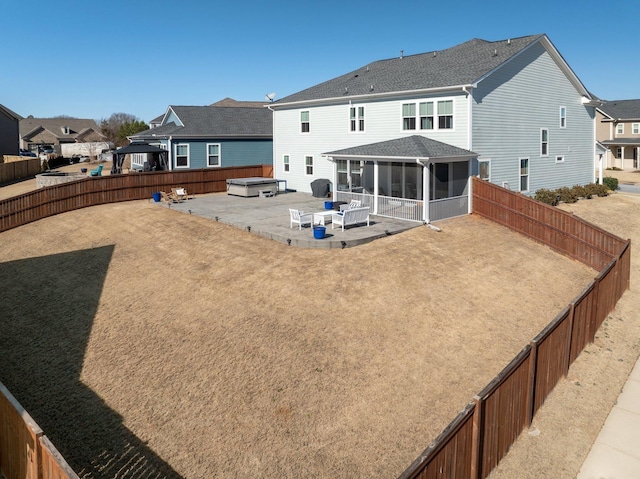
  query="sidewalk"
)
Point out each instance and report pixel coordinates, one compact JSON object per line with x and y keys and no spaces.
{"x":616,"y":451}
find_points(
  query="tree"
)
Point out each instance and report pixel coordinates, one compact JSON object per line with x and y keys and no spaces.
{"x":110,"y":127}
{"x":131,"y":128}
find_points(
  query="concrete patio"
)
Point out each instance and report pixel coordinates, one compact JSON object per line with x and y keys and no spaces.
{"x":269,"y":217}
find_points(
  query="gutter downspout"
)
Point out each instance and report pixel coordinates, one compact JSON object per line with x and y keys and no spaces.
{"x":273,"y":136}
{"x":170,"y":153}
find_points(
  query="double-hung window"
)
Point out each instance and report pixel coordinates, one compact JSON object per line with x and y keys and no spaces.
{"x":445,"y":115}
{"x":426,"y":115}
{"x":356,"y":118}
{"x":620,"y":129}
{"x":635,"y":128}
{"x":524,"y":174}
{"x":308,"y":162}
{"x":544,"y":142}
{"x":182,"y":156}
{"x":408,"y":116}
{"x":304,"y":121}
{"x":285,"y":161}
{"x":484,"y":170}
{"x":563,"y":117}
{"x":213,"y":154}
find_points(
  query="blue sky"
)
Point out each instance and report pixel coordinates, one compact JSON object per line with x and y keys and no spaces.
{"x":92,"y":59}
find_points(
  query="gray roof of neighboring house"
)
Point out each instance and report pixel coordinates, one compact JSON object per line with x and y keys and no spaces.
{"x":54,"y":125}
{"x":622,"y":142}
{"x":216,"y":122}
{"x":239,"y":104}
{"x":622,"y":109}
{"x":462,"y":64}
{"x":411,"y":147}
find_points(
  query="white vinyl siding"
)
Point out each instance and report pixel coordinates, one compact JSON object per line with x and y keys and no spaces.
{"x":382,"y":122}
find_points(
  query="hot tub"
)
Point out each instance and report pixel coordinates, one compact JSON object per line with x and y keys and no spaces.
{"x":252,"y":187}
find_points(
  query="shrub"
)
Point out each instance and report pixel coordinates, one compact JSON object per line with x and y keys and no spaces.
{"x":546,"y":196}
{"x":610,"y":182}
{"x":579,"y":191}
{"x":567,"y":195}
{"x":591,"y":190}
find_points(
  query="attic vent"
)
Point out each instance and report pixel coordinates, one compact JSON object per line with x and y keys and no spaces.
{"x":434,"y":54}
{"x":367,"y":67}
{"x":495,"y":53}
{"x":509,"y":41}
{"x":65,"y":130}
{"x":371,"y":87}
{"x":401,"y":53}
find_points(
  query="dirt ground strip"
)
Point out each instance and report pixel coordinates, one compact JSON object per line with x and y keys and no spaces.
{"x":146,"y":341}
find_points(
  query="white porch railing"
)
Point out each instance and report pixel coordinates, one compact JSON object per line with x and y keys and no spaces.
{"x":399,"y":208}
{"x":410,"y":210}
{"x":448,"y":207}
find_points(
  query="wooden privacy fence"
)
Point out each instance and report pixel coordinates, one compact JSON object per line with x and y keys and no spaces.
{"x":15,"y":170}
{"x":92,"y":191}
{"x":25,"y":453}
{"x":481,"y":435}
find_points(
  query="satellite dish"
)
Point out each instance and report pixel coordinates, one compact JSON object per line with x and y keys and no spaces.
{"x":270,"y":96}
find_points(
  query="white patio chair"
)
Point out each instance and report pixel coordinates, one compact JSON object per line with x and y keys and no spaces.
{"x":300,"y":218}
{"x":352,"y":204}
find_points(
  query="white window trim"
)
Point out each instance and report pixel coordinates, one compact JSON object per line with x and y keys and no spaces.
{"x":308,"y":122}
{"x":175,"y":154}
{"x":620,"y":129}
{"x":543,"y":142}
{"x":485,"y":160}
{"x":563,"y":117}
{"x":559,"y":158}
{"x":357,"y":119}
{"x":284,"y":165}
{"x":415,"y":116}
{"x":528,"y":175}
{"x":635,"y":128}
{"x":219,"y":155}
{"x":305,"y":165}
{"x":436,"y":122}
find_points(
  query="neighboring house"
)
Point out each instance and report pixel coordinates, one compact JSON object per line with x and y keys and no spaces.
{"x":618,"y":128}
{"x":234,"y":134}
{"x":416,"y":127}
{"x":9,"y":132}
{"x":41,"y":133}
{"x":157,"y":121}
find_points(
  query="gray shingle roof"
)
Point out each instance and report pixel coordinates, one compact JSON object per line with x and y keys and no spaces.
{"x":216,"y":122}
{"x":54,"y":125}
{"x":622,"y":109}
{"x":462,"y":64}
{"x":415,"y":146}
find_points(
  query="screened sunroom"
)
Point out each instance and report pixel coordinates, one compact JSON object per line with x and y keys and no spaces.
{"x":395,"y":177}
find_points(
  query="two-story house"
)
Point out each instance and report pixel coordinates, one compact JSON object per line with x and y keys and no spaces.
{"x":618,"y":128}
{"x":405,"y":134}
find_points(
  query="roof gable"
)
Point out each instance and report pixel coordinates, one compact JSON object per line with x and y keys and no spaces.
{"x":61,"y":128}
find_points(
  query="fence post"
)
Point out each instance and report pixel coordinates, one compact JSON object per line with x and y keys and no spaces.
{"x":476,"y":438}
{"x":569,"y":338}
{"x":531,"y":393}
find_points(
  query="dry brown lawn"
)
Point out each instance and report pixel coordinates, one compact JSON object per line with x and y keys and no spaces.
{"x":149,"y":342}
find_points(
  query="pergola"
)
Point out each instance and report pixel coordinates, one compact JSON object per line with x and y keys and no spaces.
{"x":158,"y":161}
